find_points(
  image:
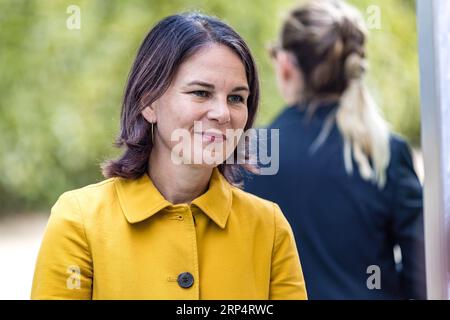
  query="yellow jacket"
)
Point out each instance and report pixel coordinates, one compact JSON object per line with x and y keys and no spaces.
{"x":120,"y":239}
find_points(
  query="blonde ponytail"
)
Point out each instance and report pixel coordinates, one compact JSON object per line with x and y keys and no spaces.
{"x":365,"y":132}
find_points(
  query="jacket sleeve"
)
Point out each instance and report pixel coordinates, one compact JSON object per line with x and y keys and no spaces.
{"x":286,"y":280}
{"x":408,"y":225}
{"x":64,"y":265}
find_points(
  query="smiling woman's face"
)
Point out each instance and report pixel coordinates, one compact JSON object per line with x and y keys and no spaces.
{"x":207,"y":100}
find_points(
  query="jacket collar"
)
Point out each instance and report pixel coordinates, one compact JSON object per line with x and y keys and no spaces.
{"x":140,"y":199}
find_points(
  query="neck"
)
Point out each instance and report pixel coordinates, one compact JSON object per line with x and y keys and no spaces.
{"x":177,"y":183}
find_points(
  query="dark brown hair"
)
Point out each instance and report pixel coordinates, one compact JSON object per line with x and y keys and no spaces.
{"x":164,"y":49}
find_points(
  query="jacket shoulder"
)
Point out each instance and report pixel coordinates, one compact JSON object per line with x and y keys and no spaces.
{"x":398,"y":144}
{"x":256,"y":208}
{"x":401,"y":153}
{"x":244,"y":198}
{"x":91,"y":197}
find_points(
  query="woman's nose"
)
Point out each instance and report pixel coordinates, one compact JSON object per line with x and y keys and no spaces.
{"x":219,"y":111}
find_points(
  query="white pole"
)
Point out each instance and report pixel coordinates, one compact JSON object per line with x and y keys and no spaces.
{"x":433,"y":18}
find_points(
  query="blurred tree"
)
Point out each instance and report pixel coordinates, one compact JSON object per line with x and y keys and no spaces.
{"x":61,"y":89}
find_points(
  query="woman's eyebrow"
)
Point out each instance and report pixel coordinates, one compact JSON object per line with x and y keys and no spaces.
{"x":201,"y":83}
{"x":241,"y":88}
{"x":211,"y":86}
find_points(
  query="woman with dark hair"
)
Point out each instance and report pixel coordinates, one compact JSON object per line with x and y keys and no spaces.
{"x":345,"y":183}
{"x":168,"y":222}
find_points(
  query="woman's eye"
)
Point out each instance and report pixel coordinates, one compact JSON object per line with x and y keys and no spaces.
{"x":200,"y":93}
{"x":235,"y":99}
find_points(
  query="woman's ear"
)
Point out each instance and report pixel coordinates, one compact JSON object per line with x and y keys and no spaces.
{"x":286,"y":66}
{"x":289,"y":77}
{"x":149,"y":114}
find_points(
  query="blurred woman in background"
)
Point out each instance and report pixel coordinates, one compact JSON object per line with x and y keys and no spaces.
{"x":346,"y":183}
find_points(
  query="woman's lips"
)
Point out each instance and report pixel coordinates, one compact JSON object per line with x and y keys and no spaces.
{"x":211,"y":136}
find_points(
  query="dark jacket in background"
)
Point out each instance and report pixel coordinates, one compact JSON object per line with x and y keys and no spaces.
{"x":343,"y":224}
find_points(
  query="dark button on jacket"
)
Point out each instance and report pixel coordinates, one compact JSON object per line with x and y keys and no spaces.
{"x":185,"y":280}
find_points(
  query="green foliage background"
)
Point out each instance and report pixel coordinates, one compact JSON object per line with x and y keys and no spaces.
{"x":61,"y":89}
